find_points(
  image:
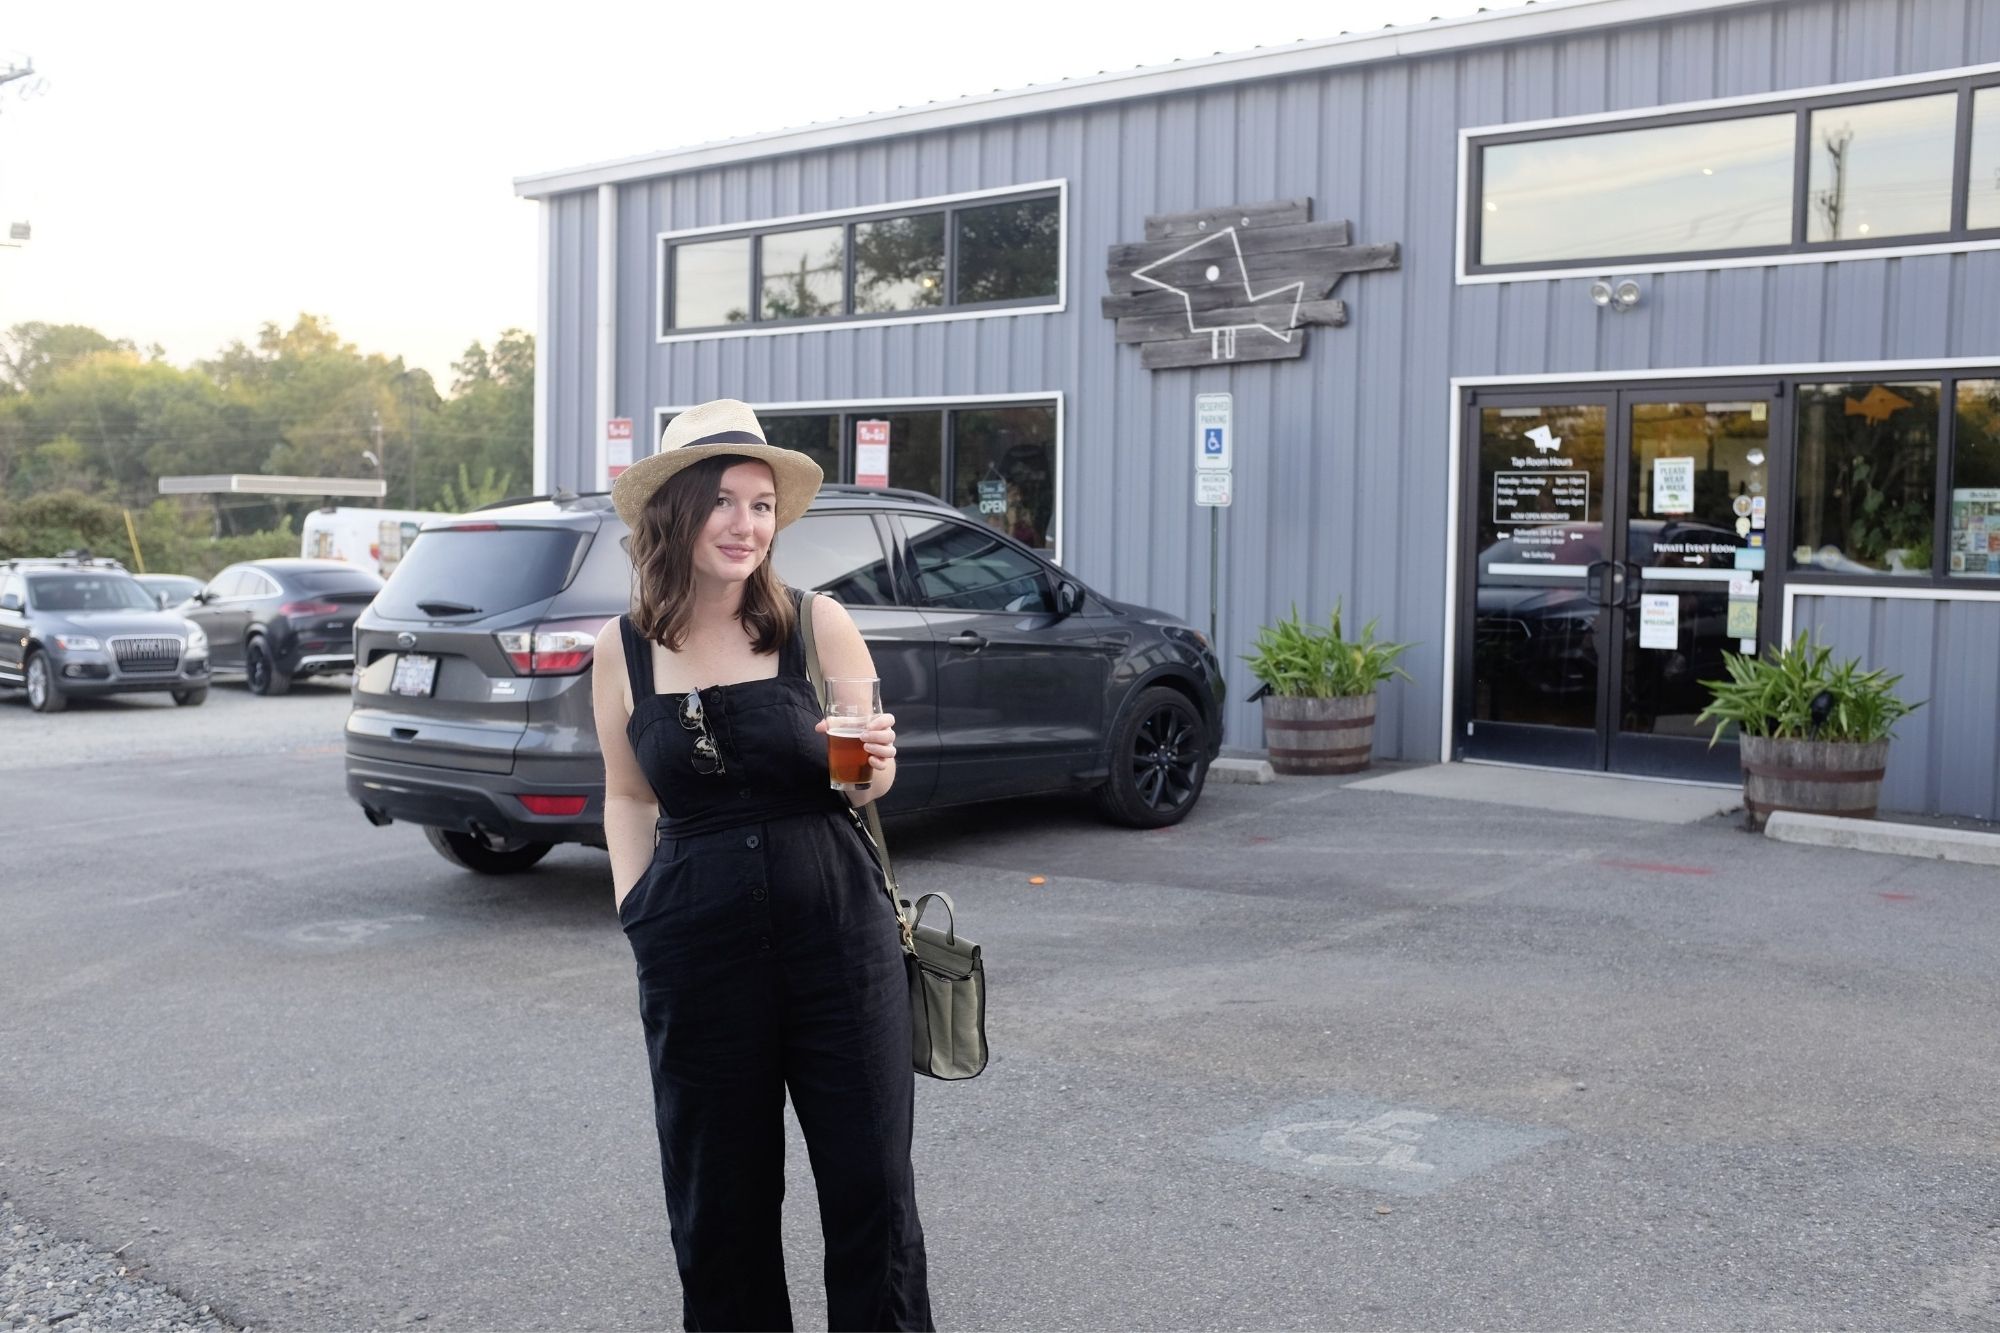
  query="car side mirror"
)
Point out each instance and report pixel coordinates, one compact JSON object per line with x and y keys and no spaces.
{"x":1069,"y":597}
{"x":11,"y":602}
{"x":162,"y":598}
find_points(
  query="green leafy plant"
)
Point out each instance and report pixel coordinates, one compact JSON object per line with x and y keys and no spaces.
{"x":1305,"y":661}
{"x":1798,"y":693}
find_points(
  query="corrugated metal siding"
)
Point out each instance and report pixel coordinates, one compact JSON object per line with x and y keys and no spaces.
{"x":1944,"y":759}
{"x":1342,"y":456}
{"x":572,"y":364}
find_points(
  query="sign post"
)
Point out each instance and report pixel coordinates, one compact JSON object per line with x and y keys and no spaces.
{"x":1214,"y":478}
{"x":617,"y":446}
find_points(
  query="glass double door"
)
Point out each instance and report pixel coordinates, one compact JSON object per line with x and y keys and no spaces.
{"x":1617,"y":546}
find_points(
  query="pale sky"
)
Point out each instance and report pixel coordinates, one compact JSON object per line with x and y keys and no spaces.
{"x":194,"y":170}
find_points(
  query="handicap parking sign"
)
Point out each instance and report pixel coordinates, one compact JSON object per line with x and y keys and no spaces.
{"x":1211,"y":442}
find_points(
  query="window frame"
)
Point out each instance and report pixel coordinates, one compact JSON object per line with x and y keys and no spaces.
{"x":1963,"y":83}
{"x":848,"y":218}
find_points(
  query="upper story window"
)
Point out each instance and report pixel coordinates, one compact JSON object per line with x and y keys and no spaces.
{"x":1797,"y":176}
{"x":975,"y":253}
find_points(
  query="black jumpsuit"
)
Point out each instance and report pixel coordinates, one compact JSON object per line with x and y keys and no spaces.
{"x":768,"y":960}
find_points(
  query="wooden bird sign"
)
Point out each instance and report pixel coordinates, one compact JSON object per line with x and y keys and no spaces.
{"x":1233,"y":284}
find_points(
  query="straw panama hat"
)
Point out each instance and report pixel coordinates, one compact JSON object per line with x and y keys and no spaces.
{"x":723,"y":426}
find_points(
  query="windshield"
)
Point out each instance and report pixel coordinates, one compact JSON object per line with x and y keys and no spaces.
{"x":88,"y":592}
{"x":479,"y":570}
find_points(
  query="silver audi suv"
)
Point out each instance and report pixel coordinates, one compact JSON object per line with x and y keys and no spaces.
{"x":83,"y":626}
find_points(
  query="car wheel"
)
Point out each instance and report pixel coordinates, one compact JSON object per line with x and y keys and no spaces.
{"x":260,"y":670}
{"x":44,"y":694}
{"x":191,"y":698}
{"x":1159,"y":760}
{"x":486,"y":854}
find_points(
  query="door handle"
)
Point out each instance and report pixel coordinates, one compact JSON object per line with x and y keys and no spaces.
{"x":1634,"y":586}
{"x":968,"y":640}
{"x":403,"y":733}
{"x":1593,"y":587}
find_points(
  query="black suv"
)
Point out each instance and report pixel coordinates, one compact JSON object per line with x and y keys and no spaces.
{"x":1008,"y":677}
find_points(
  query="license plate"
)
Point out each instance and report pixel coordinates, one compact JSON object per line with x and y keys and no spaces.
{"x":415,"y":674}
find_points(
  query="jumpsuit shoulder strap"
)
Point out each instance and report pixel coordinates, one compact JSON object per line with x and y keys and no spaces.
{"x":792,"y":659}
{"x":638,"y":659}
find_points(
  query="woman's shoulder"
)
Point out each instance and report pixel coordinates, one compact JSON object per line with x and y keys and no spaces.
{"x":611,"y":639}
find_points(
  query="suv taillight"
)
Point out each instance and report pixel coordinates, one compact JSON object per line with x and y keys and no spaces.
{"x":560,"y":648}
{"x":309,"y":609}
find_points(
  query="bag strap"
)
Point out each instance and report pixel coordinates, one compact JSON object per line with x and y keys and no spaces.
{"x":867,"y":817}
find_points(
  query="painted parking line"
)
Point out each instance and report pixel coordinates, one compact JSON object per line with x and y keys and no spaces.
{"x":1377,"y":1145}
{"x":1656,"y":867}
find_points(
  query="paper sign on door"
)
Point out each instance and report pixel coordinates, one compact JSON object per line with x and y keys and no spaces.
{"x":1660,"y":621}
{"x":1673,"y":485}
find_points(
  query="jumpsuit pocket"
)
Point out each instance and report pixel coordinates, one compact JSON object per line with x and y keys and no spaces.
{"x":644,"y":901}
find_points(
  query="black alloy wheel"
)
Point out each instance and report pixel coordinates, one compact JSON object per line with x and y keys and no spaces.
{"x":484,"y":853}
{"x":44,"y":695}
{"x":260,"y":670}
{"x":1159,"y":761}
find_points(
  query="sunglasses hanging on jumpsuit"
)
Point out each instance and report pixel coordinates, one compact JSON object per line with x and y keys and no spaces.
{"x":769,"y":961}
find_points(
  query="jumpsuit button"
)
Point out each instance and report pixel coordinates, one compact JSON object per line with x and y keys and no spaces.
{"x":756,"y":895}
{"x":742,"y":791}
{"x":765,"y":944}
{"x":751,"y":842}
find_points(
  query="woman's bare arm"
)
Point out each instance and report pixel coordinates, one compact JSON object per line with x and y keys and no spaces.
{"x":630,"y":808}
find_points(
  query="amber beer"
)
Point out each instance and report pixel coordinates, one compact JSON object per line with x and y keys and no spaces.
{"x":846,"y":760}
{"x":851,"y":704}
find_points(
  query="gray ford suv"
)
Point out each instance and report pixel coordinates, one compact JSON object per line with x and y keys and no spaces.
{"x":81,"y":626}
{"x":1008,"y":676}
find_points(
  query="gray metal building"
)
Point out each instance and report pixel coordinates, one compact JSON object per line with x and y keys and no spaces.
{"x":1654,"y":329}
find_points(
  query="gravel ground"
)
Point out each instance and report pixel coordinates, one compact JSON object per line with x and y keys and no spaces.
{"x":48,"y":1282}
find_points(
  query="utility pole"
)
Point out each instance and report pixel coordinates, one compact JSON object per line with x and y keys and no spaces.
{"x":1833,"y":202}
{"x":381,"y":461}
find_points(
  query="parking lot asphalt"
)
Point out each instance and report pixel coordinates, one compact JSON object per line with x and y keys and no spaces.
{"x":1319,"y":1057}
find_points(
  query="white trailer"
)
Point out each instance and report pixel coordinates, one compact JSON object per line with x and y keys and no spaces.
{"x":374,"y":539}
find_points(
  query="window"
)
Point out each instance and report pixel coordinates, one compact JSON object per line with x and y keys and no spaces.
{"x":837,"y":554}
{"x":969,"y":569}
{"x":1975,"y":483}
{"x":1789,"y":177}
{"x":1003,"y":252}
{"x":466,"y":571}
{"x":88,"y":592}
{"x":1008,"y":252}
{"x":1882,"y":168}
{"x":817,"y":436}
{"x":712,"y":282}
{"x":804,"y":273}
{"x":1714,"y":185}
{"x":1866,"y":480}
{"x":229,"y":583}
{"x":899,"y":264}
{"x":1982,"y":192}
{"x":337,"y":580}
{"x":1003,"y":470}
{"x":916,"y":449}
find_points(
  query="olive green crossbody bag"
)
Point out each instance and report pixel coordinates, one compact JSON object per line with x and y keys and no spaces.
{"x":947,"y":975}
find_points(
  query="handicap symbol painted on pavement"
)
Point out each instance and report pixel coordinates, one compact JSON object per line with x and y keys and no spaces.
{"x":1387,"y":1140}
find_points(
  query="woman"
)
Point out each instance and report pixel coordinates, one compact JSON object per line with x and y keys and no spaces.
{"x":768,"y":954}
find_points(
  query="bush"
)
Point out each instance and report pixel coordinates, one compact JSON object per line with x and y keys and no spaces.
{"x":1302,"y":661}
{"x":1797,"y":693}
{"x":172,"y":539}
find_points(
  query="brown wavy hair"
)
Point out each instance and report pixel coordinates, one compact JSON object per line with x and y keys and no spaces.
{"x":662,"y":550}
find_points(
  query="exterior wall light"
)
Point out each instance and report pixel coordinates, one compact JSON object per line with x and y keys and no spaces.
{"x":1619,"y":297}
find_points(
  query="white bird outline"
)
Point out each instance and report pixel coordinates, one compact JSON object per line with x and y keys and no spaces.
{"x":1222,"y":339}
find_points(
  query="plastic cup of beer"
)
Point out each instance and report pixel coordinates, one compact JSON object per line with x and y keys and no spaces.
{"x":851,"y":704}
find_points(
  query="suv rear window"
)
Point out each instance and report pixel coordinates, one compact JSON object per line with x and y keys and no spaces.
{"x":337,"y":580}
{"x":485,"y":569}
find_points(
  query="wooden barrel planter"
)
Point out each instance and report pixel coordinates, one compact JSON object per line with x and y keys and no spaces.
{"x":1305,"y":736}
{"x":1816,"y":777}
